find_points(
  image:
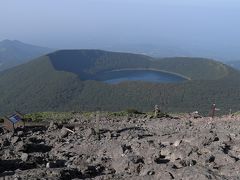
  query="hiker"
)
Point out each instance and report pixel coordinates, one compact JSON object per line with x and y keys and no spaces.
{"x":156,"y":110}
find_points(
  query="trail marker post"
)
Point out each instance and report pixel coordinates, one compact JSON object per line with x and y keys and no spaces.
{"x":213,"y":110}
{"x":97,"y":124}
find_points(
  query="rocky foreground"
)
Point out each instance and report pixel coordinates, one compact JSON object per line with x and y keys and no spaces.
{"x":138,"y":147}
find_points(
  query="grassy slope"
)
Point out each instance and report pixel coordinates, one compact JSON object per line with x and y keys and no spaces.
{"x":195,"y":68}
{"x":87,"y":62}
{"x":37,"y":86}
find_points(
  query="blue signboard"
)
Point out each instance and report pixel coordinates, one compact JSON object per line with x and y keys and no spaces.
{"x":15,"y":118}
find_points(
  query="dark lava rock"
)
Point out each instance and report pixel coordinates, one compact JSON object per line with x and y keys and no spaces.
{"x":136,"y":159}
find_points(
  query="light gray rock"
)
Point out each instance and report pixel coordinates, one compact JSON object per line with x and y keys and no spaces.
{"x":15,"y":139}
{"x":20,"y":133}
{"x":63,"y":133}
{"x":24,"y":157}
{"x":177,"y":143}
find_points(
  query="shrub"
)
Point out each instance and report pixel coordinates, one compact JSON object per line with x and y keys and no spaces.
{"x":133,"y":111}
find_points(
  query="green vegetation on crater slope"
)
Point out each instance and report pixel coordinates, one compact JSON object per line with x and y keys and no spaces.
{"x":87,"y":63}
{"x":61,"y":81}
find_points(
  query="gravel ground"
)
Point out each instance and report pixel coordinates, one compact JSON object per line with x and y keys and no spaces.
{"x":131,"y":147}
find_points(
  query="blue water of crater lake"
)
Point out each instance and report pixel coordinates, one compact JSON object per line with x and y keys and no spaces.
{"x":115,"y":77}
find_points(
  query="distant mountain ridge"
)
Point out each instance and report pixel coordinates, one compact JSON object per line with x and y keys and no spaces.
{"x":171,"y":49}
{"x":234,"y":64}
{"x":13,"y":53}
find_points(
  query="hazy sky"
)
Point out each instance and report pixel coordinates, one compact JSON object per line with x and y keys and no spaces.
{"x":80,"y":23}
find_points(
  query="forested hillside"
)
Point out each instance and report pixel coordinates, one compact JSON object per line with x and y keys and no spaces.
{"x":62,"y":81}
{"x":87,"y":63}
